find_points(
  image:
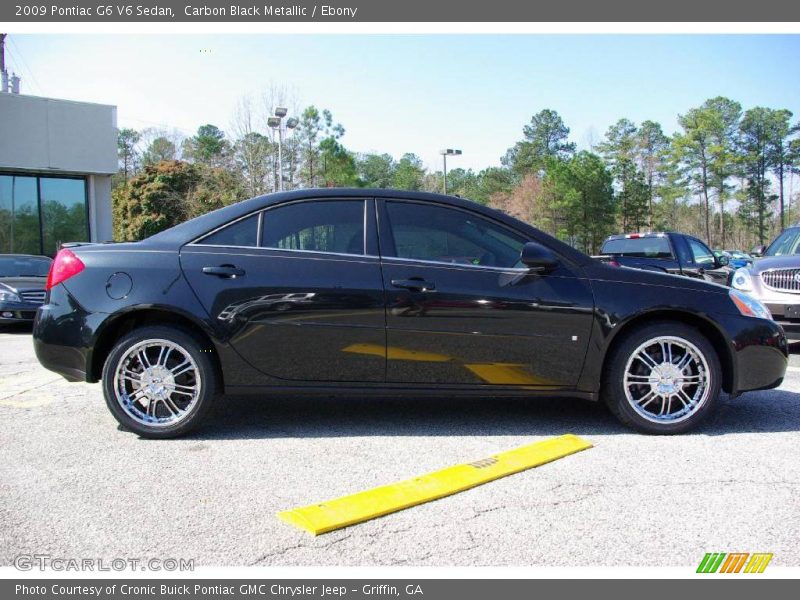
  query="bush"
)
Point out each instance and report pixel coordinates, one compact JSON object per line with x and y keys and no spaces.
{"x":167,"y":193}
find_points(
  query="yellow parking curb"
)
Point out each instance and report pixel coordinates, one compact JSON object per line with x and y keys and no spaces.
{"x":379,"y":501}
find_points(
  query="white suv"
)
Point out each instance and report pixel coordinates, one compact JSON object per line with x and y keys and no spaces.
{"x":775,"y":280}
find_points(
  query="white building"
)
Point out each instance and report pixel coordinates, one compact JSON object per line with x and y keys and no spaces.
{"x":56,"y":162}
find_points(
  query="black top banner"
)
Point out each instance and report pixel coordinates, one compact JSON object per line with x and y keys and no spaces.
{"x":400,"y":11}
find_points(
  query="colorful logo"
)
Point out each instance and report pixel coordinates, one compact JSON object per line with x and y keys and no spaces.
{"x":734,"y":562}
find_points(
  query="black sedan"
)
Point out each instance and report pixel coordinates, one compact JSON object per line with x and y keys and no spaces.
{"x":22,"y":282}
{"x":380,"y":291}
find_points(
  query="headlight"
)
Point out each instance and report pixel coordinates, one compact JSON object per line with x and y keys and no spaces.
{"x":742,"y":280}
{"x":9,"y":297}
{"x":749,"y":306}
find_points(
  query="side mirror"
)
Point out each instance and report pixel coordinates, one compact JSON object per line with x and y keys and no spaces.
{"x":723,"y":260}
{"x":538,"y":258}
{"x":758,"y":251}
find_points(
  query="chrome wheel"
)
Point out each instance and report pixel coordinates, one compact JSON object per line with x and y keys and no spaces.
{"x":157,"y":383}
{"x":667,"y":379}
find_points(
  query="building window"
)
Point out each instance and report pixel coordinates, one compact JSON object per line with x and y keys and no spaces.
{"x":38,"y":213}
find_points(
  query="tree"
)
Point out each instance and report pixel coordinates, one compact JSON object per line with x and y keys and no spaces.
{"x":525,"y":202}
{"x":314,"y":126}
{"x":757,"y":132}
{"x":707,"y":150}
{"x":207,"y":147}
{"x":159,"y":149}
{"x":153,"y":200}
{"x":494,"y":180}
{"x":376,"y":170}
{"x":652,"y":149}
{"x":621,"y":151}
{"x":252,"y":150}
{"x":408,"y":173}
{"x":780,"y":153}
{"x":692,"y":146}
{"x":464,"y":183}
{"x":337,"y":165}
{"x":544,"y":137}
{"x":126,"y":151}
{"x":724,"y":116}
{"x":167,"y":193}
{"x":592,"y":207}
{"x":251,"y":154}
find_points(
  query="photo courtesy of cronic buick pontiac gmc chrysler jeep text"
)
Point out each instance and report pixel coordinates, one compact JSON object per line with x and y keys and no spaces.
{"x":380,"y":291}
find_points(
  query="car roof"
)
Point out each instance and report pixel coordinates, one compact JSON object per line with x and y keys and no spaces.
{"x":190,"y":230}
{"x":635,"y":235}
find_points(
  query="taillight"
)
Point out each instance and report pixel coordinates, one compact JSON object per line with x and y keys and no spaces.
{"x":65,"y":265}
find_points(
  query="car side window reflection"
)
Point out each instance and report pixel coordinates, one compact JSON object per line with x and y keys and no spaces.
{"x":449,"y":235}
{"x":319,"y":225}
{"x":240,"y":233}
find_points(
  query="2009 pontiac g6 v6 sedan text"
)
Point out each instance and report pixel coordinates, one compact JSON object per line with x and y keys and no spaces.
{"x":378,"y":291}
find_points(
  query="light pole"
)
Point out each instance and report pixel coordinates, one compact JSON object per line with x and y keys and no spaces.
{"x":276,"y":122}
{"x":445,"y":153}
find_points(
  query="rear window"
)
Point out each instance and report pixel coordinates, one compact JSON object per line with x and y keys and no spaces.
{"x":24,"y":266}
{"x":645,"y":247}
{"x":241,"y":233}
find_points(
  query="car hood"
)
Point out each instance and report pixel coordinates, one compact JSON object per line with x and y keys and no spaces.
{"x":646,"y":277}
{"x":776,"y":262}
{"x":16,"y":284}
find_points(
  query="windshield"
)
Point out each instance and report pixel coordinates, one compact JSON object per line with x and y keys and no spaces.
{"x":787,"y":243}
{"x":24,"y":266}
{"x":645,"y":247}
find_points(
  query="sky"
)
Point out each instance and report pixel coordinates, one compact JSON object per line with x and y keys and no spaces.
{"x":414,"y":93}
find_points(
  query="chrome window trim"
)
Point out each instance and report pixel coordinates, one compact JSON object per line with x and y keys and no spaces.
{"x":325,"y":255}
{"x":386,"y":259}
{"x":451,"y":265}
{"x":266,"y":249}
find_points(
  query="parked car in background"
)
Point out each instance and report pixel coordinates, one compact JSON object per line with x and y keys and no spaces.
{"x":775,"y":279}
{"x":666,"y":252}
{"x":738,"y":259}
{"x":361,"y":291}
{"x":22,"y":286}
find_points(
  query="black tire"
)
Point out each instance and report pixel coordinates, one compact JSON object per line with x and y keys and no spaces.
{"x":205,"y":372}
{"x":613,"y":389}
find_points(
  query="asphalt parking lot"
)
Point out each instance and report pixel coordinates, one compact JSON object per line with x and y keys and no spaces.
{"x":74,"y":485}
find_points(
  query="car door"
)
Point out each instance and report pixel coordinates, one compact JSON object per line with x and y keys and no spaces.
{"x":703,"y":263}
{"x":295,"y":287}
{"x":463,"y":310}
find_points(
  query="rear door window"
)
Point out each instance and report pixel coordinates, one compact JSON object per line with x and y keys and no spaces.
{"x":335,"y":226}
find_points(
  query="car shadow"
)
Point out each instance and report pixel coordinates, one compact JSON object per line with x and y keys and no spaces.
{"x":330,"y":417}
{"x":17,"y":328}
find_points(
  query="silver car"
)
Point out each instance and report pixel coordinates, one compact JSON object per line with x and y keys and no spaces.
{"x":775,"y":279}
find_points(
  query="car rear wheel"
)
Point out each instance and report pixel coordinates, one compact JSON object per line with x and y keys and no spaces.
{"x":663,"y":378}
{"x":159,"y":381}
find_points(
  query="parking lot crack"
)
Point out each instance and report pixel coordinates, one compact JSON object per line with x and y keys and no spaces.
{"x":280,"y":552}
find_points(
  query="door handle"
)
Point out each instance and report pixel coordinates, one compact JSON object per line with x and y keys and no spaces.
{"x":415,"y":284}
{"x":224,"y":271}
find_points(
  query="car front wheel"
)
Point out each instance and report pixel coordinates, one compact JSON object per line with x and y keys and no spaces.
{"x":663,"y":378}
{"x":159,"y":381}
